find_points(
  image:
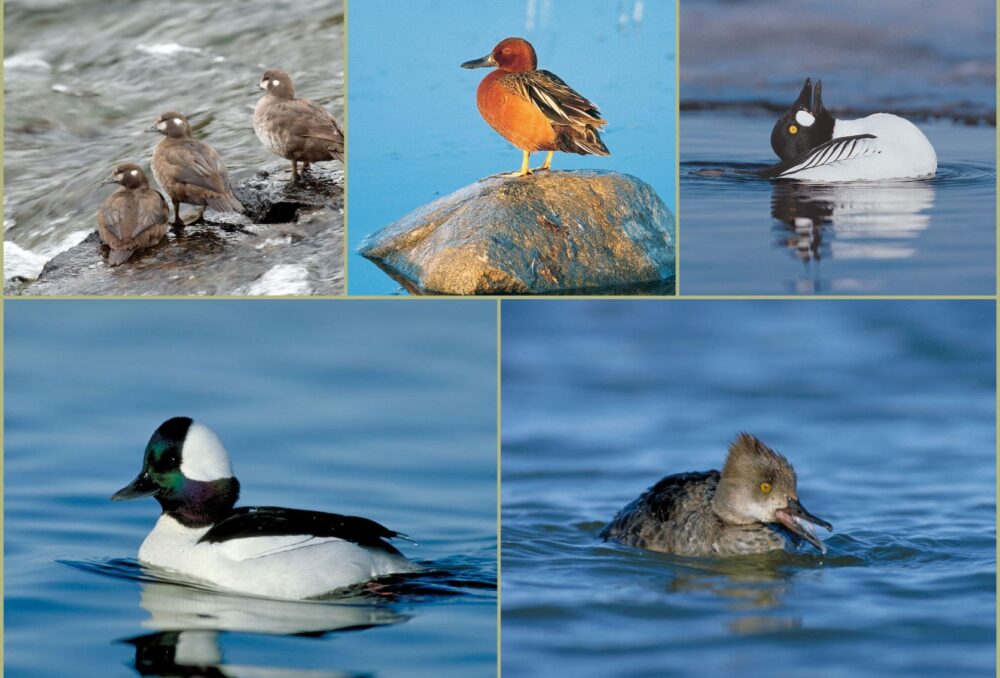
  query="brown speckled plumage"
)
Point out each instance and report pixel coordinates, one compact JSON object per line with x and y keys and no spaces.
{"x":132,"y":218}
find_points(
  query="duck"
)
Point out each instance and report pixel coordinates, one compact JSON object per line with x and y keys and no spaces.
{"x":132,"y":218}
{"x":295,"y":129}
{"x":750,"y":507}
{"x":190,"y":171}
{"x":260,"y":550}
{"x":534,"y":109}
{"x":814,"y":146}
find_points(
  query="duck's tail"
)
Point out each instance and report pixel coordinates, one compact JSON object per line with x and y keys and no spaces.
{"x":118,"y":257}
{"x":225,"y":203}
{"x":583,"y":140}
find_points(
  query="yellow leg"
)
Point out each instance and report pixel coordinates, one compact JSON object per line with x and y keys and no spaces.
{"x":524,"y":171}
{"x":547,"y":164}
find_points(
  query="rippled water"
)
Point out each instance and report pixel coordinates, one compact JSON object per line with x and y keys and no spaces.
{"x":368,"y":408}
{"x":887,"y":411}
{"x":83,"y":80}
{"x":416,"y":133}
{"x":743,"y":234}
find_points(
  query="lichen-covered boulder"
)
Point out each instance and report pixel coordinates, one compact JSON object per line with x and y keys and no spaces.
{"x":546,"y":233}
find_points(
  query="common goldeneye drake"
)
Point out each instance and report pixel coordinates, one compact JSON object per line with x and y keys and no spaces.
{"x":813,"y":146}
{"x":262,"y":550}
{"x":752,"y":506}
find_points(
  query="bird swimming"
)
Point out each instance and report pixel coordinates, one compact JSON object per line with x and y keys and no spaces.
{"x":295,"y":129}
{"x":534,"y":109}
{"x":132,"y":218}
{"x":262,"y":550}
{"x":814,"y":146}
{"x":190,"y":171}
{"x":751,"y":506}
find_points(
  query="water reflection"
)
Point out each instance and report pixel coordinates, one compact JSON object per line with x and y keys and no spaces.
{"x":863,"y":221}
{"x":189,"y":622}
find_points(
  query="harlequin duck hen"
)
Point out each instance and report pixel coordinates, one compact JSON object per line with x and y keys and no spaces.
{"x":132,"y":218}
{"x":534,"y":109}
{"x":190,"y":171}
{"x":296,"y":129}
{"x":752,"y":506}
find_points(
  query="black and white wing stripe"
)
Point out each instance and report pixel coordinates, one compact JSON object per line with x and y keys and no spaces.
{"x":835,"y":150}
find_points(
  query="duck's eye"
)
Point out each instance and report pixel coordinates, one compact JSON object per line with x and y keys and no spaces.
{"x":793,"y":129}
{"x":765,"y":487}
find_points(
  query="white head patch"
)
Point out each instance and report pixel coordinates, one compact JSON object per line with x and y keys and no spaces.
{"x":134,"y":173}
{"x":203,"y":456}
{"x":804,"y":118}
{"x":275,"y":83}
{"x":263,"y":84}
{"x":162,"y":124}
{"x":178,"y":121}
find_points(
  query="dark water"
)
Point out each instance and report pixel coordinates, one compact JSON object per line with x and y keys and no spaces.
{"x":416,"y":133}
{"x":746,"y":235}
{"x":378,"y":409}
{"x":886,"y":409}
{"x":83,"y":80}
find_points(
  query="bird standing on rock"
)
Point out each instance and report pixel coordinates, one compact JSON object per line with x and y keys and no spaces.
{"x":535,"y":110}
{"x":296,"y":129}
{"x":133,"y":217}
{"x":189,"y":170}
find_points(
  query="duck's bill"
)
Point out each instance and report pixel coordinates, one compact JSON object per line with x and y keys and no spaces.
{"x":142,"y":486}
{"x":485,"y":62}
{"x":800,"y":522}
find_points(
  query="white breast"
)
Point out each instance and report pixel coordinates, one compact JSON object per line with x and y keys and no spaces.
{"x":292,"y":567}
{"x":903,"y":152}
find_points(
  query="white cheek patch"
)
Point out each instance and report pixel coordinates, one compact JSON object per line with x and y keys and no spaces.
{"x":134,"y":173}
{"x":161,"y":125}
{"x":263,"y":84}
{"x":177,"y":121}
{"x":203,"y":456}
{"x":805,"y":118}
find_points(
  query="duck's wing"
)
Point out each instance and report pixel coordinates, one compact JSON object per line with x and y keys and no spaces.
{"x":271,"y":521}
{"x":111,"y":216}
{"x":315,"y":122}
{"x":840,"y":149}
{"x":657,"y":504}
{"x":559,"y":102}
{"x":201,"y":166}
{"x":152,"y":211}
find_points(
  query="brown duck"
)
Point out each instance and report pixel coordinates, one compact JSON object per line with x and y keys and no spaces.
{"x":189,"y":170}
{"x":296,"y":129}
{"x":132,"y":218}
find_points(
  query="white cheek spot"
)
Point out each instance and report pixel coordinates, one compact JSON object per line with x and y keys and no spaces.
{"x":204,"y":457}
{"x":805,"y":118}
{"x":161,"y":125}
{"x":134,"y":173}
{"x":275,"y":83}
{"x":263,"y":84}
{"x":177,"y":121}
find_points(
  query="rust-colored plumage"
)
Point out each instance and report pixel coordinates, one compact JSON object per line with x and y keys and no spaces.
{"x":534,"y":109}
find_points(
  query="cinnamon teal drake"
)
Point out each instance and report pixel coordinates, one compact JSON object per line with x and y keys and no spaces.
{"x":534,"y":109}
{"x":295,"y":129}
{"x":132,"y":218}
{"x":752,"y":506}
{"x":190,"y":171}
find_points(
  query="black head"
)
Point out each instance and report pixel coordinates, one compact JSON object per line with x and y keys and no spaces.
{"x":277,"y":83}
{"x":805,"y":125}
{"x":128,"y":175}
{"x":172,"y":124}
{"x":186,"y":468}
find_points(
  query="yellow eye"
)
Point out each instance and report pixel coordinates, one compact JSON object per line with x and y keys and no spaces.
{"x":765,"y":487}
{"x":792,"y":129}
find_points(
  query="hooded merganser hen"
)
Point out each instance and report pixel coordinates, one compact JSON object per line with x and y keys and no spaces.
{"x":132,"y":218}
{"x":535,"y":110}
{"x":295,"y":129}
{"x":813,"y":146}
{"x":752,"y":506}
{"x":263,"y":550}
{"x":190,"y":171}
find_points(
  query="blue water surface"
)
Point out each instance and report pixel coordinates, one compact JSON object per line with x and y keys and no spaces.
{"x":381,"y":409}
{"x":415,"y":132}
{"x":885,"y":408}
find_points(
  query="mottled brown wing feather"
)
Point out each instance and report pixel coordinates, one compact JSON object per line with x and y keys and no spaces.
{"x":558,"y":101}
{"x":202,"y":167}
{"x":110,"y":217}
{"x":152,"y":211}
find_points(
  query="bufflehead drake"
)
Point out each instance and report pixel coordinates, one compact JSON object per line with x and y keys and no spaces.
{"x":813,"y":146}
{"x":262,"y":550}
{"x":752,"y":506}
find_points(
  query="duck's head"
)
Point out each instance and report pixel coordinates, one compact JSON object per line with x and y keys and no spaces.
{"x":805,"y":125}
{"x":277,"y":83}
{"x":186,"y":468}
{"x":512,"y":55}
{"x":758,"y":485}
{"x":128,"y":175}
{"x":172,"y":124}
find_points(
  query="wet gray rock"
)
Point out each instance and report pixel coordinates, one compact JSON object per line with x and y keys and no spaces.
{"x":548,"y":233}
{"x":289,"y":241}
